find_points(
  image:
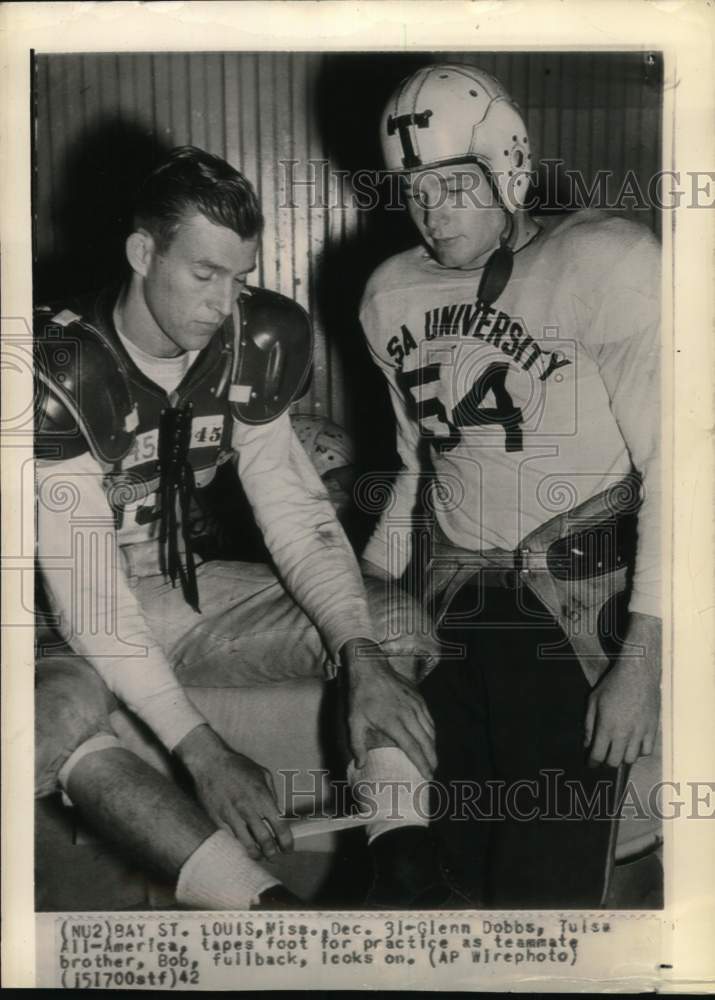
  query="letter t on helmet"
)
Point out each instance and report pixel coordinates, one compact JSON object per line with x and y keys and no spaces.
{"x":445,"y":114}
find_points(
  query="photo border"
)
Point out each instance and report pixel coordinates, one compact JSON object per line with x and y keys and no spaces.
{"x":685,"y":35}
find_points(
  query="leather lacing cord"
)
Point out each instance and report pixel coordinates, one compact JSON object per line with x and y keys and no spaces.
{"x":176,"y":483}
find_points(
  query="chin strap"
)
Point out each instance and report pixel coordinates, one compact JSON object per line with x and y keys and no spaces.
{"x":498,"y":268}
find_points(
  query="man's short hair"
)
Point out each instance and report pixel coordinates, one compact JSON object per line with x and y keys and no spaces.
{"x":191,"y":180}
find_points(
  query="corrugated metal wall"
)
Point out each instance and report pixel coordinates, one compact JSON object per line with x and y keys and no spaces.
{"x":101,"y":120}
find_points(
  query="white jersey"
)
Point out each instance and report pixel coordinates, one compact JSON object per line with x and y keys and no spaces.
{"x":527,"y":408}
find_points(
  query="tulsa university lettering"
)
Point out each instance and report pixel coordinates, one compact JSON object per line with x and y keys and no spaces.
{"x":482,"y":322}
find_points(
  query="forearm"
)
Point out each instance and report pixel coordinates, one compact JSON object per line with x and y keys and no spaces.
{"x":643,"y":643}
{"x":325,"y":581}
{"x":389,"y":549}
{"x":307,"y":544}
{"x":646,"y":597}
{"x":630,"y":372}
{"x":626,"y":332}
{"x":360,"y":652}
{"x":391,"y":544}
{"x":199,"y":747}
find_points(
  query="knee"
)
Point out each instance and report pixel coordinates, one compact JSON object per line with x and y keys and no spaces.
{"x":404,"y":628}
{"x":72,"y":704}
{"x":71,"y":696}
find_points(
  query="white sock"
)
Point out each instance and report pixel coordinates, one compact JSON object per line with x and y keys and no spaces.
{"x":219,"y":875}
{"x":393,"y":780}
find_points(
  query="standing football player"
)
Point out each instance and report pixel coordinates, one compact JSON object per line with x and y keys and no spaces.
{"x":145,"y":389}
{"x":521,"y":356}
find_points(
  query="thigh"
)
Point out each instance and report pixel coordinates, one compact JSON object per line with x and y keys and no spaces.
{"x":250,"y":631}
{"x":220,"y":584}
{"x":72,"y":703}
{"x":403,"y":626}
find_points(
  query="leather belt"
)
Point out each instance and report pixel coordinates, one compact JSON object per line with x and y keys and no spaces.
{"x":574,"y":564}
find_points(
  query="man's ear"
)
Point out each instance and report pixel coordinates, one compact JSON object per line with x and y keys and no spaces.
{"x":140,"y":249}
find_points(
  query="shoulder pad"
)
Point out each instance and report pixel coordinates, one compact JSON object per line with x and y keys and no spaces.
{"x":84,"y":400}
{"x":273,"y":352}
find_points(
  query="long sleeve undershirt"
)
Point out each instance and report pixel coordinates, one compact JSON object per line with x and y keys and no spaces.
{"x":99,"y":615}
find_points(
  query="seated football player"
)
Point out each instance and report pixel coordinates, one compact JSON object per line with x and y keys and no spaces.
{"x":145,"y":388}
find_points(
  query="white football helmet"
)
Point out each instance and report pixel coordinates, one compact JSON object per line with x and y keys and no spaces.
{"x":448,"y":113}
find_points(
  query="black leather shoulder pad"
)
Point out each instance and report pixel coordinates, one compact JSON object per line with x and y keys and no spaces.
{"x":82,"y":392}
{"x":273,"y":353}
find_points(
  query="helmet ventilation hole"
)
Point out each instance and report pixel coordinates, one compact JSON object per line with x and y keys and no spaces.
{"x":473,"y":93}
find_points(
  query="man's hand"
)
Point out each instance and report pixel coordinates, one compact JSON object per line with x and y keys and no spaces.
{"x":624,"y":707}
{"x":237,"y":793}
{"x":382,"y":703}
